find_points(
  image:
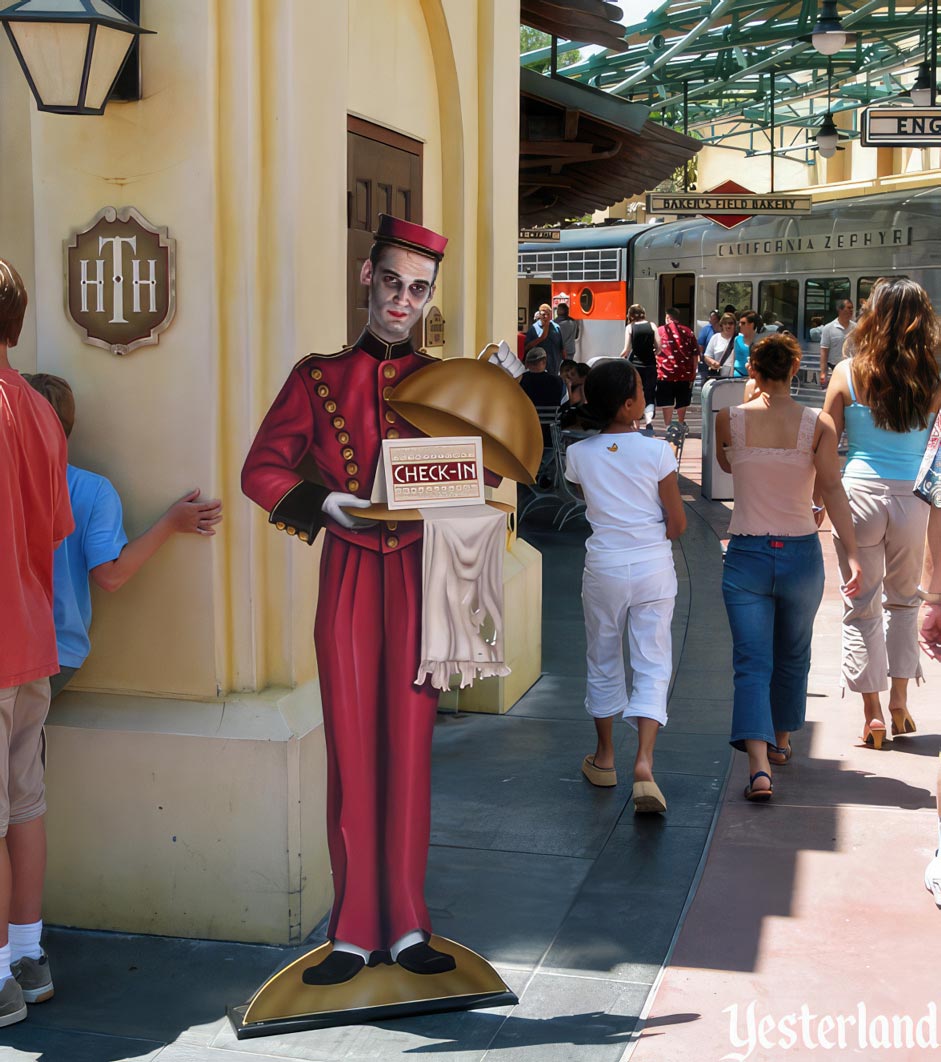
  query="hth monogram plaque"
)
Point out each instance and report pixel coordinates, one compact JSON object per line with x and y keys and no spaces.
{"x":120,"y":280}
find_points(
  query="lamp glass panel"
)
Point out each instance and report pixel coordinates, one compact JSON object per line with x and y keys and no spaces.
{"x":921,"y":97}
{"x":53,"y":7}
{"x":828,"y":43}
{"x":68,"y":8}
{"x":54,"y":52}
{"x":111,"y":47}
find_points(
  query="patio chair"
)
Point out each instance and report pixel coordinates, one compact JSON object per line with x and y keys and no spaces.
{"x":676,"y":437}
{"x":545,"y":489}
{"x":572,"y":503}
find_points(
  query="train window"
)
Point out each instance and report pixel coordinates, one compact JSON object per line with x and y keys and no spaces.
{"x":864,"y":287}
{"x":737,"y":293}
{"x":586,"y":300}
{"x":777,"y":303}
{"x":820,"y":299}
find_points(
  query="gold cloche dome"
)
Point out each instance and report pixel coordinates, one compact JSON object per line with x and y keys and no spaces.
{"x":462,"y":396}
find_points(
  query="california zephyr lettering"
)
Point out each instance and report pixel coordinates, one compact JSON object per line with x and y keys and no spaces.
{"x":825,"y":241}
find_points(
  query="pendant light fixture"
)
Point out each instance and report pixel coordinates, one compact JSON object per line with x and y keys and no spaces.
{"x":827,"y":135}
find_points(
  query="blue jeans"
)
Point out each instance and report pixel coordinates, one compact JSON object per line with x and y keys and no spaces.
{"x":772,"y":589}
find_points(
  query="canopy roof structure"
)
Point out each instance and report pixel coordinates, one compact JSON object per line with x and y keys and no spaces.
{"x":582,"y":150}
{"x":727,"y":67}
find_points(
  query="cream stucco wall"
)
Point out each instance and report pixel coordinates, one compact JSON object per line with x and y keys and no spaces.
{"x":16,"y":196}
{"x":146,"y":421}
{"x":197,"y":715}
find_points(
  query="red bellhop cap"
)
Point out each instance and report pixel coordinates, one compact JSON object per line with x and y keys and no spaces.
{"x":414,"y":237}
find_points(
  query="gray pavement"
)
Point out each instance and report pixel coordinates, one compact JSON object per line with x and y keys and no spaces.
{"x":572,"y":899}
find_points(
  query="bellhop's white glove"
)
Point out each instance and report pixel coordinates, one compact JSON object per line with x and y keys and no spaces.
{"x":335,"y":504}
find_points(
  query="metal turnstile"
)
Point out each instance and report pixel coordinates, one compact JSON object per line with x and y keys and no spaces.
{"x":716,"y":395}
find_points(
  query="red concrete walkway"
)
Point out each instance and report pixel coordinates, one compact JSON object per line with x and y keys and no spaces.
{"x":811,"y":915}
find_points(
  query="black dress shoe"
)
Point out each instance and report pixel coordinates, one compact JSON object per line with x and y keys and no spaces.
{"x":337,"y":967}
{"x":423,"y":959}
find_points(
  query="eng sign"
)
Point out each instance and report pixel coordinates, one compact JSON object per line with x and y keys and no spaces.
{"x":901,"y":127}
{"x":120,"y":280}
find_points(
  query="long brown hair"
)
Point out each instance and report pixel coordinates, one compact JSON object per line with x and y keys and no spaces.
{"x":12,"y":303}
{"x":895,"y":360}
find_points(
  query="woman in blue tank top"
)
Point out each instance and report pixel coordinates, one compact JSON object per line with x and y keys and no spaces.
{"x":886,"y":397}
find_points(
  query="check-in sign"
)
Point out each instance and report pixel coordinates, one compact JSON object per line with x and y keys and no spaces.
{"x":430,"y":472}
{"x":901,"y":127}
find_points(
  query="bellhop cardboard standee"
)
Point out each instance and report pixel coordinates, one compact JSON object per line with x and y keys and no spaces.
{"x":335,"y":413}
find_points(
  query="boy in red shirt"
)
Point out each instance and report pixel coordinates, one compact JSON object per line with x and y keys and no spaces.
{"x":34,"y":517}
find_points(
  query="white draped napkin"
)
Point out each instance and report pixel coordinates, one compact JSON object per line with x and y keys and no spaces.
{"x":462,"y":595}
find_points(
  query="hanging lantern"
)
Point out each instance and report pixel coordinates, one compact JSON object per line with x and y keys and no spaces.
{"x":828,"y":35}
{"x":71,"y":51}
{"x":827,"y":137}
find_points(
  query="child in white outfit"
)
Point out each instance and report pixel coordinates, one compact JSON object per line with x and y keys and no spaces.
{"x":634,"y":507}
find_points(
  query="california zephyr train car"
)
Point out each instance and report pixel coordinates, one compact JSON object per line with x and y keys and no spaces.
{"x":793,"y":270}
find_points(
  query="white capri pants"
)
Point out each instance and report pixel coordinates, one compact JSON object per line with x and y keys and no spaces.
{"x":880,"y":624}
{"x":640,"y":595}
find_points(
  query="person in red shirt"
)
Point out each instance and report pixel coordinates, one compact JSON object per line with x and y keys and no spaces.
{"x":677,"y":362}
{"x":34,"y":517}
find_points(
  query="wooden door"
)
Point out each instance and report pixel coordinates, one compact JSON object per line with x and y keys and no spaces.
{"x":384,"y":176}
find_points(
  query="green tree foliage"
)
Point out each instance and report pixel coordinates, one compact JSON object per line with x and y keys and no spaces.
{"x":532,"y":39}
{"x":682,"y":177}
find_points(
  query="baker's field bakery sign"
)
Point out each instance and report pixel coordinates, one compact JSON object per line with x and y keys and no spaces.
{"x":120,"y":280}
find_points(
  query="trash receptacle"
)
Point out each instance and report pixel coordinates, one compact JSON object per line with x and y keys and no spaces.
{"x":716,"y":395}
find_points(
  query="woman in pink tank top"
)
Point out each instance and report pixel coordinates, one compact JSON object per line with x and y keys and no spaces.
{"x":772,"y":581}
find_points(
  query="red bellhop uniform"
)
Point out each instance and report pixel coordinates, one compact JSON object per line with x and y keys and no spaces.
{"x":334,"y":411}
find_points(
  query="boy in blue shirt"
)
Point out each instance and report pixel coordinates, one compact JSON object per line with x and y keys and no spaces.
{"x":98,"y":548}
